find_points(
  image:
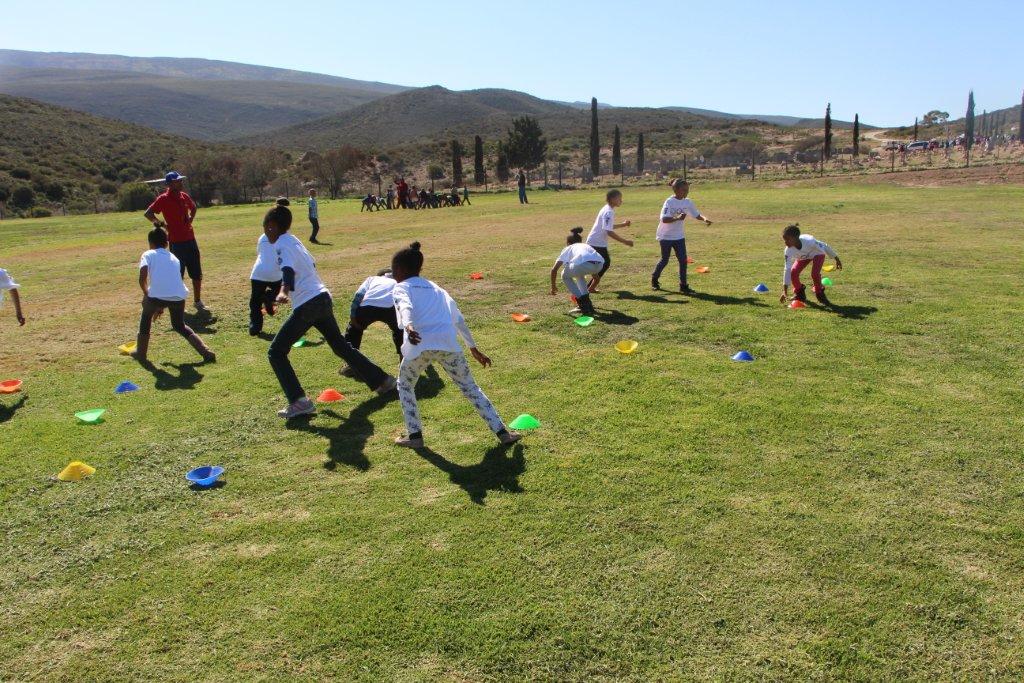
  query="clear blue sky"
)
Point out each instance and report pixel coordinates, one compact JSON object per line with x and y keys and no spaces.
{"x":890,"y":61}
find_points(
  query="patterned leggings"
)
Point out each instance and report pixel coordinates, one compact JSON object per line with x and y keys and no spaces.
{"x":454,"y":363}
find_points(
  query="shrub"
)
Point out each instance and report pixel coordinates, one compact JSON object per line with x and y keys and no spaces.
{"x":21,"y":173}
{"x":129,"y":174}
{"x":23,"y":197}
{"x":40,"y":212}
{"x":107,"y":187}
{"x":54,"y":191}
{"x":134,"y":197}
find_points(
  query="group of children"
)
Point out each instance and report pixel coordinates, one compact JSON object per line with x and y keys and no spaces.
{"x":581,"y":259}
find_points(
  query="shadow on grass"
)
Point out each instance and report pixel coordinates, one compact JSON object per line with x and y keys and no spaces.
{"x":614,"y":317}
{"x":318,"y":243}
{"x":649,"y":298}
{"x":429,"y":384}
{"x":851,"y":312}
{"x":201,"y":322}
{"x":187,"y":378}
{"x":726,"y":300}
{"x":496,"y":472}
{"x":219,"y":484}
{"x":346,"y":442}
{"x":8,"y":411}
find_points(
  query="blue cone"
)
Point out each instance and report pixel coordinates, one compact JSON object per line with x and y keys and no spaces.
{"x":761,"y":288}
{"x":743,"y":356}
{"x":125,"y":387}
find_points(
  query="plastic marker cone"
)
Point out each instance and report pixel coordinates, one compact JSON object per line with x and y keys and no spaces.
{"x":329,"y":396}
{"x":796,"y":303}
{"x":584,"y":320}
{"x":689,"y":259}
{"x":93,"y":416}
{"x":761,"y":288}
{"x":76,"y":471}
{"x":743,"y":356}
{"x":299,"y":344}
{"x":204,"y":477}
{"x":125,"y":387}
{"x":476,"y":276}
{"x":9,"y":386}
{"x":626,"y":346}
{"x":126,"y":349}
{"x":704,"y":269}
{"x":520,"y":317}
{"x":829,"y":268}
{"x":826,"y":281}
{"x":524,"y":422}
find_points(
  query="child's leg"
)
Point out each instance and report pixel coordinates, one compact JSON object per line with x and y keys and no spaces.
{"x":146,"y":320}
{"x":270,"y":296}
{"x":816,"y":265}
{"x":794,"y":274}
{"x":666,"y":250}
{"x":177,"y":312}
{"x":596,"y":280}
{"x":365,"y":369}
{"x":574,"y":282}
{"x":408,"y":372}
{"x":257,"y":289}
{"x":291,"y":331}
{"x":680,"y":248}
{"x":390,"y":318}
{"x":454,"y":363}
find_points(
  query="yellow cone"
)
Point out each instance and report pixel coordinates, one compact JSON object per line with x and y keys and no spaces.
{"x":76,"y":471}
{"x":626,"y":346}
{"x":126,"y":349}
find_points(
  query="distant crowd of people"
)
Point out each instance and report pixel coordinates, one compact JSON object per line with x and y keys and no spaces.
{"x":401,"y":195}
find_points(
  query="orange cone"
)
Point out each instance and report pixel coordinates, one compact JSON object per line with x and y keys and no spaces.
{"x":520,"y":317}
{"x":329,"y":396}
{"x":796,"y":303}
{"x":476,"y":276}
{"x":704,"y":269}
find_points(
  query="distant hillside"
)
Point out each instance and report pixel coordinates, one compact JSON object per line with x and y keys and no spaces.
{"x":205,"y":69}
{"x":67,"y":156}
{"x":436,"y":113}
{"x":198,"y":108}
{"x":775,"y":119}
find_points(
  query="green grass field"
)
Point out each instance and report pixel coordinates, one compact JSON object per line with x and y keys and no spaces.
{"x":849,"y":506}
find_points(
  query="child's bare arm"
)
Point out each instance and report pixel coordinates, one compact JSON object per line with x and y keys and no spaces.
{"x":143,"y":276}
{"x":615,"y":236}
{"x":554,"y":275}
{"x":16,"y":298}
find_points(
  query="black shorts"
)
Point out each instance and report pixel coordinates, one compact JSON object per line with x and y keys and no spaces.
{"x":603,"y":251}
{"x":188,"y":254}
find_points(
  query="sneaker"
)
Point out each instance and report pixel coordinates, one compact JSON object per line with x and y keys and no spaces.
{"x":685,"y":289}
{"x":389,"y":385}
{"x":254,"y":331}
{"x":508,"y":438}
{"x":201,"y":307}
{"x":210,"y":357}
{"x":575,"y":311}
{"x":301,"y":407}
{"x":406,"y":442}
{"x":655,"y":285}
{"x":347,"y":371}
{"x":800,"y":294}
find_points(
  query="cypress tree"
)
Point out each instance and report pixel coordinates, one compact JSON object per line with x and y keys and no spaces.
{"x":969,"y":126}
{"x":478,"y":161}
{"x":456,"y":163}
{"x":595,"y":142}
{"x":640,"y":148}
{"x":856,"y":135}
{"x":827,"y":149}
{"x":915,"y":130}
{"x":501,"y":167}
{"x":616,"y":154}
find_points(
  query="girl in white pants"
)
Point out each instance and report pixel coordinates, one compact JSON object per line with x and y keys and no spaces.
{"x":432,"y":324}
{"x":580,"y":260}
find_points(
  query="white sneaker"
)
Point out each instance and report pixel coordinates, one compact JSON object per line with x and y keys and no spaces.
{"x":389,"y":385}
{"x":575,"y":311}
{"x":406,"y":442}
{"x":301,"y":407}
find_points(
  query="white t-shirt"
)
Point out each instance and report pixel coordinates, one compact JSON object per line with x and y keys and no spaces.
{"x":578,"y":253}
{"x":6,"y":282}
{"x":265,"y":269}
{"x":604,"y":224}
{"x":164,"y":275}
{"x":808,"y":249}
{"x":433,"y":314}
{"x":673,"y":207}
{"x":292,"y":254}
{"x":377,"y":291}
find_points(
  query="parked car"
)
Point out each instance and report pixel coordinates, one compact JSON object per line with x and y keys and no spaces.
{"x":917,"y":145}
{"x":891,"y":145}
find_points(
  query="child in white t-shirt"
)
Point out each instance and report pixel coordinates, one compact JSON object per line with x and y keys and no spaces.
{"x":162,"y":288}
{"x":800,"y":250}
{"x":373,"y":302}
{"x":670,"y":232}
{"x":265,"y":281}
{"x":579,"y":260}
{"x":604,"y":227}
{"x":433,"y":323}
{"x":7,"y":284}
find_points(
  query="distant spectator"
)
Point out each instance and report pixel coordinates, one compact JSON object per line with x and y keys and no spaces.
{"x":521,"y":181}
{"x":465,"y":195}
{"x":314,"y":216}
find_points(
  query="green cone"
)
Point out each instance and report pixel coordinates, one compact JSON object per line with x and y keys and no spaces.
{"x":525,"y":421}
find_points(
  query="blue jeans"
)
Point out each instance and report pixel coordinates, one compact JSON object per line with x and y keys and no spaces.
{"x":667,"y":247}
{"x":522,"y":196}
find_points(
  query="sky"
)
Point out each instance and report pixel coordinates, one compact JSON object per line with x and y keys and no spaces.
{"x":888,"y":61}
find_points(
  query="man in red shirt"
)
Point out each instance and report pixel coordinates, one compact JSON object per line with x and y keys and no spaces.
{"x":178,"y":211}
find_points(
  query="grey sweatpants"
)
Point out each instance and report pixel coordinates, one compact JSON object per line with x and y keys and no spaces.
{"x":575,"y":277}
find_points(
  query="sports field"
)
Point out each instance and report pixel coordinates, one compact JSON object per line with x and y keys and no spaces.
{"x":848,"y":506}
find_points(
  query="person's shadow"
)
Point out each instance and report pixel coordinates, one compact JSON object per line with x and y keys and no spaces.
{"x":649,"y":298}
{"x":498,"y":471}
{"x":726,"y":300}
{"x":614,"y":317}
{"x":201,"y":322}
{"x":851,"y":312}
{"x":8,"y":411}
{"x":346,"y":442}
{"x":187,"y":378}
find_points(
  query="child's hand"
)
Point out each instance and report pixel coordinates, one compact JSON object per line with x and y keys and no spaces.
{"x":839,"y":264}
{"x":783,"y":299}
{"x":629,"y":243}
{"x":21,"y":320}
{"x":413,"y":336}
{"x":628,"y":223}
{"x":481,"y":358}
{"x":707,"y":221}
{"x":281,"y":298}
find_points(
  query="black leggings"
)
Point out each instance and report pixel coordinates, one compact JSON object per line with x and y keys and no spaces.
{"x":603,"y":251}
{"x":263,"y":295}
{"x":366,"y":316}
{"x":176,"y":310}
